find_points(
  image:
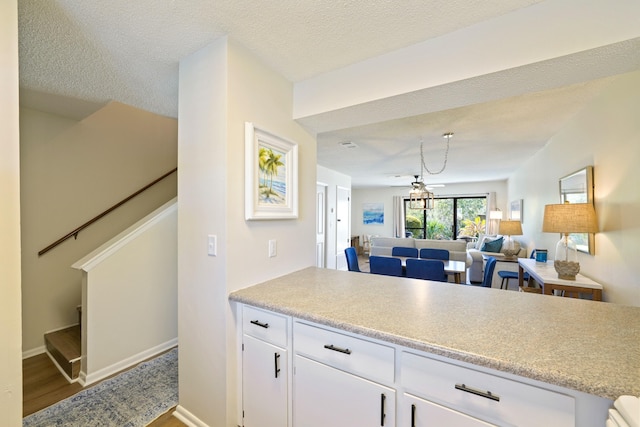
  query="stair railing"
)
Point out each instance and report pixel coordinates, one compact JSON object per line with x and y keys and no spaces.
{"x":75,"y":232}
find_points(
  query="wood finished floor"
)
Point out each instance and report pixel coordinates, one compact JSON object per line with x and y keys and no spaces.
{"x":363,"y":263}
{"x":44,"y":385}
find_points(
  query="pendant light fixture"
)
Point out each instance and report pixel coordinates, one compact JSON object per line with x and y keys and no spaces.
{"x":419,"y":196}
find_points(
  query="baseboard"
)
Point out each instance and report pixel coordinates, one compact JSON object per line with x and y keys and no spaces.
{"x":87,"y":379}
{"x":188,"y":418}
{"x":34,"y":352}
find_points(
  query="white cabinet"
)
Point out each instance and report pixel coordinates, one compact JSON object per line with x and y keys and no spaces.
{"x":361,"y":357}
{"x":340,"y":379}
{"x":325,"y":396}
{"x":296,"y":373}
{"x":421,"y":413}
{"x":484,"y":396}
{"x":265,"y":369}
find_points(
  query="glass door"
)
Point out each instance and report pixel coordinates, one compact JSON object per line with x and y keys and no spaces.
{"x":442,"y":224}
{"x":471,"y":217}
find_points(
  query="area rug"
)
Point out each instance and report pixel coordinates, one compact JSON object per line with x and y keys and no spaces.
{"x":131,"y":399}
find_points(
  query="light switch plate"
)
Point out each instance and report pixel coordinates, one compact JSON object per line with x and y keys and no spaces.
{"x":212,"y":245}
{"x":273,"y":248}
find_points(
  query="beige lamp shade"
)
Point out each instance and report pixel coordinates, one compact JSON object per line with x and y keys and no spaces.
{"x":510,"y":228}
{"x":570,"y":218}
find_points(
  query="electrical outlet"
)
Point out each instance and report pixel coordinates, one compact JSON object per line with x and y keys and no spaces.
{"x":273,"y":248}
{"x":212,"y":245}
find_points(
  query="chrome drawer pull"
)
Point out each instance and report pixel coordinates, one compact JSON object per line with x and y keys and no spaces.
{"x":485,"y":394}
{"x":338,"y":349}
{"x":257,"y":323}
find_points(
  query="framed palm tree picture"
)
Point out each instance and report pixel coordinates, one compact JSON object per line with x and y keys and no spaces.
{"x":271,"y":175}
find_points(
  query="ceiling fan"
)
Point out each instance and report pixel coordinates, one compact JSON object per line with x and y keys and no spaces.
{"x":415,"y":182}
{"x":418,"y":183}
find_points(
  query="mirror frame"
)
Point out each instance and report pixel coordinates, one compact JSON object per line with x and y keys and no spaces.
{"x":579,"y":185}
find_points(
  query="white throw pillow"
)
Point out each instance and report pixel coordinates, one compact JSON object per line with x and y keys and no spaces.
{"x":485,"y":237}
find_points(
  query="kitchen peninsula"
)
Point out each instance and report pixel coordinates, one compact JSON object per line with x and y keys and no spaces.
{"x":573,"y":356}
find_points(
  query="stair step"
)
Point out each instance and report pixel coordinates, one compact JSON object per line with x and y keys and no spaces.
{"x":65,"y":348}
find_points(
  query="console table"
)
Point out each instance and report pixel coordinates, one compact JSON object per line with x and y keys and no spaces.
{"x":545,"y":274}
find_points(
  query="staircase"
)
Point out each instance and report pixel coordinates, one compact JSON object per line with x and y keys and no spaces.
{"x":64,"y":347}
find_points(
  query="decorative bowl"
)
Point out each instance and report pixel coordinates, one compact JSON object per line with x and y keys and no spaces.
{"x":567,"y":270}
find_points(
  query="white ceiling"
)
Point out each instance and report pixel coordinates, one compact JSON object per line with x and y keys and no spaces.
{"x":77,"y":55}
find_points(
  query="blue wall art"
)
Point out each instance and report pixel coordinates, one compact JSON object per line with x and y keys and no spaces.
{"x":373,"y":213}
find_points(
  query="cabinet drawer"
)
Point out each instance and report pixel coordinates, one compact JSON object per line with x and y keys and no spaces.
{"x":484,"y":395}
{"x":358,"y":356}
{"x":265,"y":325}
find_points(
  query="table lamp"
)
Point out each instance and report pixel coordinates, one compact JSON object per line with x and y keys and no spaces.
{"x":510,"y":228}
{"x":568,"y":218}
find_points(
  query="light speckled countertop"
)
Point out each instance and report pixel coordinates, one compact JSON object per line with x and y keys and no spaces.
{"x":593,"y":347}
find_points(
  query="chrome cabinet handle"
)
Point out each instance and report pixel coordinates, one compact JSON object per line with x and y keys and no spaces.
{"x":338,"y":349}
{"x":485,"y":394}
{"x":258,"y":323}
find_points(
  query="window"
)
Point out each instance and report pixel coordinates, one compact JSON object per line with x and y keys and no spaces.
{"x":441,"y":223}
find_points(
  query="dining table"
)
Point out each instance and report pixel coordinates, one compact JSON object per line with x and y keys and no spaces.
{"x":456,"y":268}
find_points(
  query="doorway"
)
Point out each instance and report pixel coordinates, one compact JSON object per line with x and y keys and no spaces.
{"x":321,"y":224}
{"x":343,"y":226}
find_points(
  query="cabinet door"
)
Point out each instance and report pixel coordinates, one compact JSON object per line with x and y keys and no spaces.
{"x":264,"y":384}
{"x":417,"y":412}
{"x":325,"y":396}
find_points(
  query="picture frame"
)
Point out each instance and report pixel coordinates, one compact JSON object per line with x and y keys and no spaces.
{"x":271,"y":175}
{"x":577,"y":187}
{"x":515,"y":210}
{"x":373,"y":213}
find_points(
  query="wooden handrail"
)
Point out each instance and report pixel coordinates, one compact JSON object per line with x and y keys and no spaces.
{"x":75,"y":232}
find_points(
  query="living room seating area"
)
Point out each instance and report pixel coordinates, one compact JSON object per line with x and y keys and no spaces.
{"x":491,"y":245}
{"x":459,"y":250}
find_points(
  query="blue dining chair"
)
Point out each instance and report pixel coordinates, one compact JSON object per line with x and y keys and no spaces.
{"x":385,"y":265}
{"x":430,"y":253}
{"x":429,"y":269}
{"x":506,"y":275}
{"x":488,"y":272}
{"x":352,"y":259}
{"x":403,"y":251}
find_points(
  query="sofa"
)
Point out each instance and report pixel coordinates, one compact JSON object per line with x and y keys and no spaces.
{"x":476,"y":270}
{"x":457,"y":248}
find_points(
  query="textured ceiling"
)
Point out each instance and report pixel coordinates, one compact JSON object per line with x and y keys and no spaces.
{"x":78,"y":55}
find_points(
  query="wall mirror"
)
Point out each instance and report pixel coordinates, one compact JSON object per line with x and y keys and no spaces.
{"x":578,"y":188}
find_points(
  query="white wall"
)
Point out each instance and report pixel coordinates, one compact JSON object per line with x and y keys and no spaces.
{"x":10,"y":323}
{"x":70,"y":172}
{"x":222,"y":86}
{"x":129,"y":296}
{"x":605,"y":134}
{"x":385,"y":195}
{"x":332,"y":180}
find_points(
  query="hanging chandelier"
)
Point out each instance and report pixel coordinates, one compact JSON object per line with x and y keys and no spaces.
{"x":419,"y":196}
